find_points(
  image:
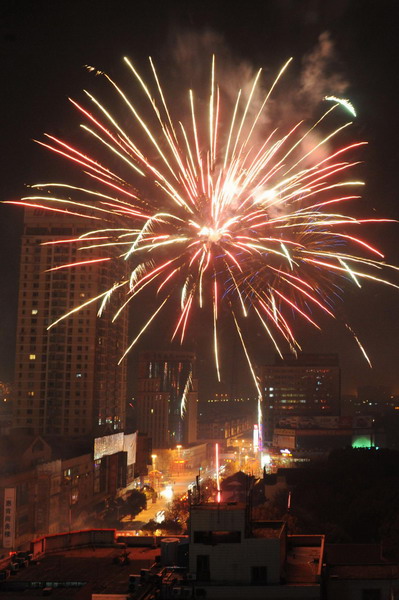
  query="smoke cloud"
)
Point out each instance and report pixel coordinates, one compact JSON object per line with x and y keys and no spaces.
{"x":191,"y":54}
{"x":319,"y":76}
{"x":298,"y":95}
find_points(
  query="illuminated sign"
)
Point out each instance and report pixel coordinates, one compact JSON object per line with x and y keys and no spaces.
{"x":114,"y":443}
{"x":9,"y":517}
{"x":362,"y":441}
{"x":108,"y":444}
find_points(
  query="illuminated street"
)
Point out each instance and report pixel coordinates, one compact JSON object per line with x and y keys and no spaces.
{"x":180,"y":483}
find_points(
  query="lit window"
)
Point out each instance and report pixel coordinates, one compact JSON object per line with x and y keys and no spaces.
{"x":31,"y":393}
{"x":32,"y":356}
{"x":34,"y":311}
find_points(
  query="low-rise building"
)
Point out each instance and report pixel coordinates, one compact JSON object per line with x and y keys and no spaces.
{"x":74,"y":565}
{"x":323,"y":433}
{"x":48,"y":486}
{"x":360,"y":572}
{"x":233,"y":556}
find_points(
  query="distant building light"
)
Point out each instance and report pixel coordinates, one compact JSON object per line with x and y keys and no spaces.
{"x":34,"y":311}
{"x":32,"y":356}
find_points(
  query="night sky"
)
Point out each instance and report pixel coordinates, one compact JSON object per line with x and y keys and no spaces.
{"x":43,"y":48}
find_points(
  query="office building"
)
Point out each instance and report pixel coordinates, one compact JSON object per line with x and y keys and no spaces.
{"x":167,"y":398}
{"x":305,"y":386}
{"x":67,"y":380}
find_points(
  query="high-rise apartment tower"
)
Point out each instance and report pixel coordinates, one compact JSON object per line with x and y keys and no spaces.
{"x":167,"y":398}
{"x":67,"y":380}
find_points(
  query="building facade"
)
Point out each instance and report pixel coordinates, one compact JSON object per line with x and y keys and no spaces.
{"x":47,"y":489}
{"x":307,"y":385}
{"x":67,"y":378}
{"x":167,"y":398}
{"x":234,"y":556}
{"x":224,"y":429}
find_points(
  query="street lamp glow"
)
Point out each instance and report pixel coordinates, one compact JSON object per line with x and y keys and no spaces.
{"x":153,"y":456}
{"x":167,"y":493}
{"x":265,"y":460}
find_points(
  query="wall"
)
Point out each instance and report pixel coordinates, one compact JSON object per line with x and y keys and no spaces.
{"x":92,"y":537}
{"x":345,"y":589}
{"x":253,"y":592}
{"x":26,"y":504}
{"x":233,"y":562}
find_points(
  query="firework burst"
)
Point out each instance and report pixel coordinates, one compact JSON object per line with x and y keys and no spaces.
{"x":259,"y":226}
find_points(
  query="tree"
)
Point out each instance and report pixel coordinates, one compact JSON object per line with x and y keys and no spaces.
{"x":208,"y":489}
{"x":151,"y":526}
{"x":171,"y":526}
{"x":135,"y":503}
{"x":178,"y":513}
{"x":167,"y":527}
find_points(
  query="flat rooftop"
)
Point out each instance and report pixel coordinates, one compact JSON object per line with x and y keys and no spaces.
{"x":302,"y":565}
{"x":91,"y":565}
{"x":219,"y":506}
{"x":56,"y":593}
{"x":304,"y":559}
{"x":267,"y":529}
{"x":369,"y":572}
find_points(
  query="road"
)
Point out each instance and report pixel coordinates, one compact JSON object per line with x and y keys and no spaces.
{"x":179,"y":484}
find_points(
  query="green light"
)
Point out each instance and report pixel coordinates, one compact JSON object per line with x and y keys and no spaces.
{"x":362,"y":441}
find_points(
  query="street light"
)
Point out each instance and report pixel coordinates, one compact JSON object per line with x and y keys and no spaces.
{"x":246,"y":460}
{"x":178,"y":461}
{"x":153,"y":472}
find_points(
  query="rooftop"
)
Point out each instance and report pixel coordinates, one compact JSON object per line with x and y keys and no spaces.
{"x":219,"y":506}
{"x":66,"y":593}
{"x":305,"y":557}
{"x":354,"y":554}
{"x":302,"y":564}
{"x":92,"y":565}
{"x":267,"y":529}
{"x":364,"y":572}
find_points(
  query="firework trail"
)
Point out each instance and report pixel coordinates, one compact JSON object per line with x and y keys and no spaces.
{"x":261,"y":227}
